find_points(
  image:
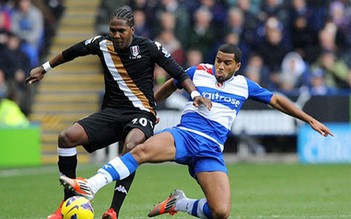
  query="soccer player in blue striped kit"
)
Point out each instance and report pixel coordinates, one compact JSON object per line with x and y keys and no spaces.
{"x":197,"y":144}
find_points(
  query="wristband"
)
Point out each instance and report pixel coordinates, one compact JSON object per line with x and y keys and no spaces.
{"x":194,"y":94}
{"x":46,"y":66}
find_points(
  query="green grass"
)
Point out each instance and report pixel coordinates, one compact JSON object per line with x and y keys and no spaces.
{"x":259,"y":191}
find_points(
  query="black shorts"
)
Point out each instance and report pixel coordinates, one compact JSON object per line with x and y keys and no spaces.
{"x":111,"y":125}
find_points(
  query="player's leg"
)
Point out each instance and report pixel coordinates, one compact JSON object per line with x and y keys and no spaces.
{"x":67,"y":152}
{"x":67,"y":157}
{"x":216,"y":204}
{"x":133,"y":138}
{"x":93,"y":132}
{"x":136,"y":129}
{"x":216,"y":187}
{"x":156,"y":149}
{"x":208,"y":168}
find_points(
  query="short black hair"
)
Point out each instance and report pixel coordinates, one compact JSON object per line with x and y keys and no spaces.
{"x":231,"y":48}
{"x":125,"y":14}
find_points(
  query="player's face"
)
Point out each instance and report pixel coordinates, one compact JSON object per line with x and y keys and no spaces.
{"x":121,"y":33}
{"x":226,"y":66}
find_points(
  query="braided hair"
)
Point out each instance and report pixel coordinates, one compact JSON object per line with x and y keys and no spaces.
{"x":124,"y":14}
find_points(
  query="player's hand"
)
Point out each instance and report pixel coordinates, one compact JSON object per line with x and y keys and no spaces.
{"x":320,"y":128}
{"x":199,"y":100}
{"x":157,"y":120}
{"x":36,"y":74}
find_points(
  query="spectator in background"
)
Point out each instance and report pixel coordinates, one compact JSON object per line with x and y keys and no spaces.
{"x":235,"y":21}
{"x":238,"y":33}
{"x":14,"y":65}
{"x":28,"y":24}
{"x":5,"y":16}
{"x":276,"y":8}
{"x":24,"y":93}
{"x":294,"y":76}
{"x":342,"y":20}
{"x":256,"y":71}
{"x":319,"y":16}
{"x":167,"y":38}
{"x":148,"y":7}
{"x":254,"y":5}
{"x":335,"y":70}
{"x":272,"y":49}
{"x":181,"y":15}
{"x":250,"y":22}
{"x":8,"y":61}
{"x":166,"y":34}
{"x":203,"y":34}
{"x":142,"y":28}
{"x":219,"y":15}
{"x":193,"y":57}
{"x":10,"y":114}
{"x":52,"y":12}
{"x":4,"y":87}
{"x":318,"y":86}
{"x":303,"y":38}
{"x":326,"y":38}
{"x":165,"y":20}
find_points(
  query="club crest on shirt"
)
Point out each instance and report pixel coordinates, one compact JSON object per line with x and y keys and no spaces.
{"x":134,"y":51}
{"x":219,"y":85}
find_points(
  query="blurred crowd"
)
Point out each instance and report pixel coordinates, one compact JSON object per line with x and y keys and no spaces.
{"x":26,"y":30}
{"x":290,"y":46}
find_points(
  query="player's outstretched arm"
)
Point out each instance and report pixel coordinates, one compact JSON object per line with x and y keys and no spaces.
{"x":169,"y":87}
{"x":37,"y":73}
{"x":283,"y":104}
{"x":165,"y":90}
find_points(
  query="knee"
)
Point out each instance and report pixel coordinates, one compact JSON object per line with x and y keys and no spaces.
{"x":65,"y":139}
{"x":129,"y":146}
{"x":140,"y":153}
{"x":221,"y":212}
{"x":134,"y":138}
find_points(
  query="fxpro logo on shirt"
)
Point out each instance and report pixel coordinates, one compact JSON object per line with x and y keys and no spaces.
{"x":220,"y":98}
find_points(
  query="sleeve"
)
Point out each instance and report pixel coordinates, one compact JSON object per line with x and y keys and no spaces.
{"x":165,"y":60}
{"x":190,"y":71}
{"x":83,"y":48}
{"x":258,"y":93}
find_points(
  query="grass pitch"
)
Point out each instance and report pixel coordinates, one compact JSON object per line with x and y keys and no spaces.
{"x":259,"y":191}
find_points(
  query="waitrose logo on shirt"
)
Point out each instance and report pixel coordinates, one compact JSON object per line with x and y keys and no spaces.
{"x":217,"y":97}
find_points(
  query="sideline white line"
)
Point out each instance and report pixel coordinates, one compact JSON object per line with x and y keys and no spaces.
{"x":28,"y":171}
{"x":23,"y":171}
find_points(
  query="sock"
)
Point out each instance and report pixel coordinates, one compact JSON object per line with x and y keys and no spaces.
{"x":117,"y":169}
{"x":198,"y":208}
{"x":121,"y":191}
{"x":67,"y":164}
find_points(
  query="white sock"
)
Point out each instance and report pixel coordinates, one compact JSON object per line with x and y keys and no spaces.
{"x":184,"y":204}
{"x":66,"y":152}
{"x":187,"y":205}
{"x":98,"y":181}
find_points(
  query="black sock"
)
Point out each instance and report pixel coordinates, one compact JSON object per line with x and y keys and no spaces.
{"x":121,"y":191}
{"x":67,"y":166}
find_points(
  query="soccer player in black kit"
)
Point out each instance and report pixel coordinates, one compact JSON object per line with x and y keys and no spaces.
{"x":128,"y":109}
